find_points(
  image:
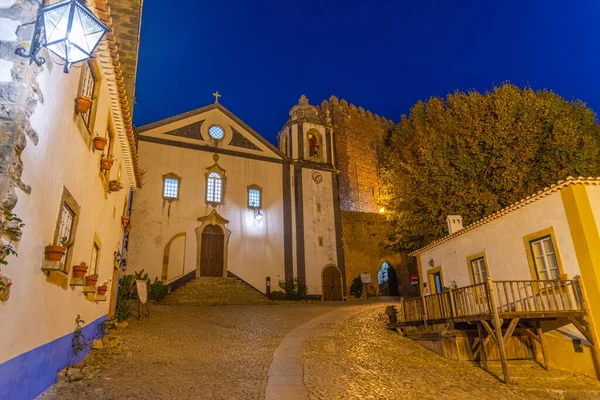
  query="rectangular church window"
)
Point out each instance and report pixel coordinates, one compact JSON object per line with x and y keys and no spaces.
{"x":171,"y":188}
{"x":254,"y":197}
{"x":213,"y":188}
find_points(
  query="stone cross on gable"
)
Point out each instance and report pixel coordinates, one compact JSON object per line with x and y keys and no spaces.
{"x":217,"y":95}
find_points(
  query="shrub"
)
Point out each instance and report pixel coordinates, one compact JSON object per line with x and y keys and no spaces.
{"x":294,"y":290}
{"x":278,"y":295}
{"x":356,"y":288}
{"x":157,"y":290}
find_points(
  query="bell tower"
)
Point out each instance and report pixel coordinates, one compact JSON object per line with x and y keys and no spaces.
{"x":307,"y":135}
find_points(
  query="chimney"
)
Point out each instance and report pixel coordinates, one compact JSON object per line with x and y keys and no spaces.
{"x":454,"y":223}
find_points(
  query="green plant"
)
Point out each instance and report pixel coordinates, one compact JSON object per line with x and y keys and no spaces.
{"x":294,"y":289}
{"x":10,"y":226}
{"x":391,"y":311}
{"x":157,"y":290}
{"x":123,"y":308}
{"x":106,"y":326}
{"x":78,"y":343}
{"x":356,"y":288}
{"x":65,"y":242}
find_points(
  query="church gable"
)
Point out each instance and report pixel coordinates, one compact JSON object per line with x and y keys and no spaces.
{"x":209,"y":128}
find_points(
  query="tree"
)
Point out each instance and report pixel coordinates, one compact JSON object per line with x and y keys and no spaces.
{"x":474,"y":154}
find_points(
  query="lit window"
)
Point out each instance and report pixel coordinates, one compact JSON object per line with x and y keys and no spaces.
{"x":216,"y":132}
{"x":171,"y":188}
{"x":95,"y":257}
{"x":478,"y":270}
{"x":544,"y":258}
{"x":213,"y":188}
{"x":254,"y":197}
{"x":313,"y":145}
{"x":87,"y":89}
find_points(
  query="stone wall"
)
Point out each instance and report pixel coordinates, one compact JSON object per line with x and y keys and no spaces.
{"x":365,"y":236}
{"x":358,"y":134}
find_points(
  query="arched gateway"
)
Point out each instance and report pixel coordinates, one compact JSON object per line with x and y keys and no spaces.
{"x":332,"y":283}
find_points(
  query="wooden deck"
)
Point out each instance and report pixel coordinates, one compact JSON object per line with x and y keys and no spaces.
{"x":500,"y":307}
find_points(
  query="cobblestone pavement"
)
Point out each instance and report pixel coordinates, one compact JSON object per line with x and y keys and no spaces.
{"x":355,"y":357}
{"x":190,"y":352}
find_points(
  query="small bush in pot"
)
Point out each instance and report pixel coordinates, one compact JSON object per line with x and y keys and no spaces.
{"x":356,"y":288}
{"x":56,"y":252}
{"x":106,"y":161}
{"x":100,"y":142}
{"x":91,"y":280}
{"x":80,"y":270}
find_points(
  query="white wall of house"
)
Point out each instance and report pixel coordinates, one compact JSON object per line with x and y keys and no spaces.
{"x":502,"y":241}
{"x":39,"y":312}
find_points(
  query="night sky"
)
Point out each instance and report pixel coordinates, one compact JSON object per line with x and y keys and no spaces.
{"x":384,"y":56}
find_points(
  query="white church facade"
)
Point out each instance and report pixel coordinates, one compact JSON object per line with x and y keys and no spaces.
{"x":219,"y":200}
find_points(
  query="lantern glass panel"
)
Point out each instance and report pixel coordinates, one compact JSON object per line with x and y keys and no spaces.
{"x":85,"y":32}
{"x":56,"y":22}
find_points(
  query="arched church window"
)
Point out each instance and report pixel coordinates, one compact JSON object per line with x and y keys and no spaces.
{"x":314,"y":145}
{"x":214,"y":188}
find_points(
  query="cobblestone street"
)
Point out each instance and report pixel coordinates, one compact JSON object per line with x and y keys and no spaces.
{"x":225,"y":352}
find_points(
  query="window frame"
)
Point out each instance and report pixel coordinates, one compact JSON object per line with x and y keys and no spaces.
{"x":319,"y":138}
{"x":221,"y":172}
{"x":216,"y":126}
{"x":88,"y":67}
{"x":175,"y":177}
{"x":94,"y":262}
{"x":536,"y":236}
{"x":68,"y":201}
{"x":260,"y":197}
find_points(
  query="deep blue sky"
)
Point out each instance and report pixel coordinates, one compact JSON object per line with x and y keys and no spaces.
{"x":383,"y":56}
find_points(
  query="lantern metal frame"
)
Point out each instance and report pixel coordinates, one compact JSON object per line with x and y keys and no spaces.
{"x":39,"y":35}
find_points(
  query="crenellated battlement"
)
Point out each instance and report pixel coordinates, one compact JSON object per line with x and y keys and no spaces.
{"x":353,"y":110}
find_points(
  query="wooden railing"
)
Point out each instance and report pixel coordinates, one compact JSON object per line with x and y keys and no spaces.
{"x":510,"y":298}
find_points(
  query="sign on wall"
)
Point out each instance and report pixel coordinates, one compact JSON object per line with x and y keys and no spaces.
{"x":365,"y":278}
{"x":414,"y":279}
{"x":142,"y":290}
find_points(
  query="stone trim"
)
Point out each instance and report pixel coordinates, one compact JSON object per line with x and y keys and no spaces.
{"x":300,"y":256}
{"x":239,"y":140}
{"x":191,"y":131}
{"x":337,"y":218}
{"x":194,"y":146}
{"x":166,"y":254}
{"x":287,"y":224}
{"x":300,"y":134}
{"x":68,"y":199}
{"x":329,"y":149}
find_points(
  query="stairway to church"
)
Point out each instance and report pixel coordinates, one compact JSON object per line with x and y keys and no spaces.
{"x":205,"y":291}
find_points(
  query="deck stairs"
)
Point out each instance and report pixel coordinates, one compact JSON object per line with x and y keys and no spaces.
{"x":204,"y":291}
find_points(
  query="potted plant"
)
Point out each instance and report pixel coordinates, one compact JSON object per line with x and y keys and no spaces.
{"x":106,"y":162}
{"x":125,"y":219}
{"x":100,"y":142}
{"x":5,"y":284}
{"x":91,"y":280}
{"x":563,"y":277}
{"x":83,"y":104}
{"x":56,"y":252}
{"x":392,"y":313}
{"x":103,"y":288}
{"x":115,"y":186}
{"x":80,"y":270}
{"x":128,"y":228}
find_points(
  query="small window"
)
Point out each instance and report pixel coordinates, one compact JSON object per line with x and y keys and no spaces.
{"x":254,"y":197}
{"x":320,"y":241}
{"x":95,"y":259}
{"x":216,"y":132}
{"x":544,"y":258}
{"x":478,"y":270}
{"x":213,"y":188}
{"x":65,"y":226}
{"x":171,"y":188}
{"x":313,"y":145}
{"x":87,"y":89}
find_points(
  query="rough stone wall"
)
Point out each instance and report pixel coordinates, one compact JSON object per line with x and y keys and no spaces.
{"x":19,"y":94}
{"x":358,"y":134}
{"x":365,"y":237}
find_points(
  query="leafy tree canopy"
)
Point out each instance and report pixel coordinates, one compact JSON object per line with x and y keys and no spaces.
{"x":473,"y":154}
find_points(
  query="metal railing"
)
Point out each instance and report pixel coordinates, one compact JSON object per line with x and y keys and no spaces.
{"x":505,"y":298}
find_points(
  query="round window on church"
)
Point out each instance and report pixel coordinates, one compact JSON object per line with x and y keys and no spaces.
{"x":216,"y":132}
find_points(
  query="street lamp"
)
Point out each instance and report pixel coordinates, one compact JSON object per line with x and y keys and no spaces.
{"x":68,"y":29}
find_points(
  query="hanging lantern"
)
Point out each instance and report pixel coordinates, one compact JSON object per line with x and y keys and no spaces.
{"x":69,"y":30}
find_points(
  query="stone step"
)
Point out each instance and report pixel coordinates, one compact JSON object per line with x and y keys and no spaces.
{"x":216,"y":291}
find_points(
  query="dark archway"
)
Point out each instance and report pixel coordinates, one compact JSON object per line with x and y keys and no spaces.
{"x":388,"y":281}
{"x":211,"y":257}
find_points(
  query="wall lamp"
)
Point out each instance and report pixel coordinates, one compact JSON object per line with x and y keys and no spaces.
{"x":258,"y":216}
{"x":68,"y":29}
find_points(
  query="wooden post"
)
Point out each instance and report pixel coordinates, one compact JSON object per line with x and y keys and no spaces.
{"x":498,"y":326}
{"x":542,"y":343}
{"x":402,"y":307}
{"x":591,"y":328}
{"x":452,"y":305}
{"x":482,"y":348}
{"x":424,"y":311}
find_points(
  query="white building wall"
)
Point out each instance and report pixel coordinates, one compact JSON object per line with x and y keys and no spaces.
{"x":39,"y":312}
{"x":502,"y":240}
{"x":318,"y":223}
{"x":255,"y":249}
{"x":593,"y":193}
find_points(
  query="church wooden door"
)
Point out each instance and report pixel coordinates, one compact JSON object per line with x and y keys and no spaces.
{"x":332,"y":284}
{"x":211,"y":254}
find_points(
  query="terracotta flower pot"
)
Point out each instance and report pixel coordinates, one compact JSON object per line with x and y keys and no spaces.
{"x":125,"y":219}
{"x":102,"y":290}
{"x":91,"y":280}
{"x":83,"y":104}
{"x":100,"y":142}
{"x":563,"y":277}
{"x":115,"y":186}
{"x":79,"y":271}
{"x":55,"y":253}
{"x":106,"y":163}
{"x":128,"y":228}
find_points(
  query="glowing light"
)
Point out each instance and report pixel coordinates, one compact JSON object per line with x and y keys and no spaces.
{"x":381,"y":210}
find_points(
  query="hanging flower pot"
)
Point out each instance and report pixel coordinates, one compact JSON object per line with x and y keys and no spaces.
{"x":115,"y":186}
{"x":83,"y":104}
{"x":100,"y":142}
{"x":128,"y":228}
{"x":91,"y":280}
{"x":79,"y":270}
{"x":5,"y":284}
{"x":125,"y":219}
{"x":106,"y":163}
{"x":102,"y":290}
{"x":55,"y":253}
